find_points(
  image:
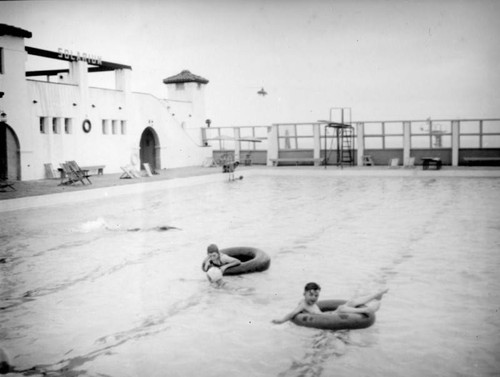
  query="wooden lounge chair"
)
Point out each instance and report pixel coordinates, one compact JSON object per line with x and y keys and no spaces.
{"x":70,"y":176}
{"x":147,"y":168}
{"x":209,"y":163}
{"x":50,"y":172}
{"x":6,"y":184}
{"x":83,"y":174}
{"x":411,"y":163}
{"x":129,"y":172}
{"x":394,"y":163}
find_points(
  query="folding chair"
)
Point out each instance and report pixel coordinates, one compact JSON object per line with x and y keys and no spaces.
{"x":411,"y":163}
{"x":6,"y":184}
{"x":69,"y":176}
{"x":129,"y":172}
{"x":394,"y":163}
{"x":83,"y":174}
{"x":50,"y":172}
{"x":149,"y":173}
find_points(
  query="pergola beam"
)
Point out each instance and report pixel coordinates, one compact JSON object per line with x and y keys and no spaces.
{"x":92,"y":60}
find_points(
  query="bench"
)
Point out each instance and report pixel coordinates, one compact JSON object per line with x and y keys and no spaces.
{"x":427,"y":161}
{"x":97,"y":168}
{"x":470,"y":160}
{"x":276,"y":161}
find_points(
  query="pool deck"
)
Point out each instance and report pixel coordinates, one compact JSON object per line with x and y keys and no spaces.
{"x":52,"y":186}
{"x":37,"y":190}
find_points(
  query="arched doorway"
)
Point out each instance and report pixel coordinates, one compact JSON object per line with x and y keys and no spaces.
{"x":10,"y":164}
{"x":149,"y":149}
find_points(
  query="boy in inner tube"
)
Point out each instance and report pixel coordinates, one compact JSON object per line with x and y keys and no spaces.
{"x":311,"y":295}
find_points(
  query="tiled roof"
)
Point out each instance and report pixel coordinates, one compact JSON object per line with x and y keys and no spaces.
{"x":14,"y":31}
{"x":184,"y":76}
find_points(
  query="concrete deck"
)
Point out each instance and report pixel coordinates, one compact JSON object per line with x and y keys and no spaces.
{"x":51,"y":186}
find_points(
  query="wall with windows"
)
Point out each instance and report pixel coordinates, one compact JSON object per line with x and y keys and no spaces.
{"x":451,"y":140}
{"x":112,"y":133}
{"x":68,"y":126}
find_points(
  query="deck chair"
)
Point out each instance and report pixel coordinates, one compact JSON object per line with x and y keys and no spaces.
{"x":83,"y":174}
{"x":394,"y":163}
{"x":248,"y":159}
{"x":411,"y":163}
{"x":50,"y":172}
{"x":68,"y":176}
{"x":209,"y":163}
{"x":147,"y":168}
{"x":129,"y":172}
{"x":6,"y":184}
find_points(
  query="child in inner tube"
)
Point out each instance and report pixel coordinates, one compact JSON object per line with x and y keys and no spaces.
{"x":215,"y":263}
{"x":311,"y":295}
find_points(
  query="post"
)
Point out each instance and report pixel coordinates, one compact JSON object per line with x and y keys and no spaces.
{"x":455,"y":142}
{"x":273,"y":146}
{"x":317,"y":142}
{"x":360,"y":137}
{"x":237,"y":144}
{"x":203,"y":132}
{"x":406,"y":143}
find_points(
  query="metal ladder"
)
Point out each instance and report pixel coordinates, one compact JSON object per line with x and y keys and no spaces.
{"x":346,"y":153}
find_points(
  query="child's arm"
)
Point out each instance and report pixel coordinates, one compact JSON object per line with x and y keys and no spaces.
{"x":205,"y":264}
{"x":229,"y":262}
{"x":290,"y":315}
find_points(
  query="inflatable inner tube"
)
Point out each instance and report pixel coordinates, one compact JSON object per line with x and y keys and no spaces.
{"x":334,"y":321}
{"x":252,"y":260}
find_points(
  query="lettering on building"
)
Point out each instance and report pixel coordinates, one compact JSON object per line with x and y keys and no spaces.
{"x":78,"y":56}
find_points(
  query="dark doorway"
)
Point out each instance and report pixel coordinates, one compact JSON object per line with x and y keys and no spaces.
{"x":10,"y":164}
{"x":149,"y":148}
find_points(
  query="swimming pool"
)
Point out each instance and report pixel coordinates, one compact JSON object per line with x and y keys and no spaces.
{"x":81,"y":295}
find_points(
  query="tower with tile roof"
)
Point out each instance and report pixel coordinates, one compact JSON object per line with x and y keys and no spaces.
{"x":186,"y":92}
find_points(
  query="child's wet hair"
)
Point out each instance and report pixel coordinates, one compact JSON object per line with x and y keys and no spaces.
{"x":312,"y":287}
{"x":212,"y":249}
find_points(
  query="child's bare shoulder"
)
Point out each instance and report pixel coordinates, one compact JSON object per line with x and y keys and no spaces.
{"x":302,"y":303}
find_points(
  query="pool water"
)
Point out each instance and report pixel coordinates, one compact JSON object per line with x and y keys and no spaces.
{"x":81,"y":295}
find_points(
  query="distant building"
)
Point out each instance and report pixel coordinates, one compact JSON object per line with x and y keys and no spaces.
{"x":62,"y":118}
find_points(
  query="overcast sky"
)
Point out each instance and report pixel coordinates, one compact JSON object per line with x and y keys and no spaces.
{"x":385,"y":59}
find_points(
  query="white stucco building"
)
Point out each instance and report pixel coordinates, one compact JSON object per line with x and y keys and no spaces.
{"x":62,"y":118}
